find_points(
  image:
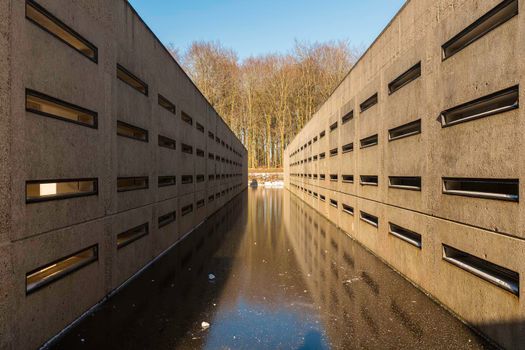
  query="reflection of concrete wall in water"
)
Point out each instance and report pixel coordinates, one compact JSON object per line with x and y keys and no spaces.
{"x":348,"y":283}
{"x":437,"y":198}
{"x":109,"y":155}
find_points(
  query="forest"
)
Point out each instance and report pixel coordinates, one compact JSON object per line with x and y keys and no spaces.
{"x":267,"y":99}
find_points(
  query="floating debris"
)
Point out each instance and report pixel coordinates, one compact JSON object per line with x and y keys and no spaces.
{"x":205,"y":325}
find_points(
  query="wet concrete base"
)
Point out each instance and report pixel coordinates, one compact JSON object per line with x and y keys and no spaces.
{"x":268,"y":272}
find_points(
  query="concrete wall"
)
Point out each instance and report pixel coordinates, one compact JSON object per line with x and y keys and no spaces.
{"x":35,"y":147}
{"x":489,"y":148}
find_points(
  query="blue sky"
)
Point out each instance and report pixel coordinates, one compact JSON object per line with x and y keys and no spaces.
{"x":254,"y":27}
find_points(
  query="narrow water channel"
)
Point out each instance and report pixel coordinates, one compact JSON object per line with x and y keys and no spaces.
{"x":283,"y":278}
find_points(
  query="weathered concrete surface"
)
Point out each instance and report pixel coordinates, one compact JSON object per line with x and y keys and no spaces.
{"x":490,"y":147}
{"x":33,"y":147}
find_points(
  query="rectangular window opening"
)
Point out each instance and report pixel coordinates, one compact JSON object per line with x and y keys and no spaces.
{"x":199,"y":178}
{"x":348,"y":178}
{"x":500,"y":14}
{"x":333,"y":126}
{"x":322,"y":176}
{"x":199,"y":127}
{"x":127,"y":77}
{"x":347,"y":117}
{"x":200,"y":203}
{"x":186,"y":148}
{"x":349,"y":147}
{"x":405,"y":182}
{"x":406,"y":130}
{"x":322,"y":197}
{"x":167,"y":219}
{"x":199,"y":153}
{"x":404,"y":79}
{"x":131,"y":235}
{"x":369,"y":102}
{"x":321,"y":135}
{"x":333,"y":177}
{"x":132,"y":183}
{"x":48,"y":22}
{"x":58,"y":269}
{"x":322,"y":155}
{"x":186,"y":179}
{"x":498,"y":102}
{"x":348,"y":209}
{"x":186,"y":118}
{"x":211,"y":135}
{"x":333,"y":203}
{"x":48,"y":106}
{"x":132,"y":132}
{"x":165,"y":103}
{"x":187,"y":209}
{"x":47,"y":190}
{"x":164,"y":181}
{"x":502,"y":189}
{"x":369,"y":180}
{"x":498,"y":275}
{"x":369,"y":141}
{"x":333,"y":152}
{"x":211,"y":198}
{"x":369,"y":218}
{"x":406,"y":235}
{"x":166,"y":142}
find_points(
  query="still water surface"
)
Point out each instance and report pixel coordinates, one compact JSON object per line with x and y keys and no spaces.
{"x":284,"y":278}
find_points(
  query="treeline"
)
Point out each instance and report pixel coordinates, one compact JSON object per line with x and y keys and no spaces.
{"x":267,"y":99}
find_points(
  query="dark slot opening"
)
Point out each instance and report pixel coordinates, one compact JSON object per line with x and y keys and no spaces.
{"x":322,"y":176}
{"x":333,"y":177}
{"x":200,"y":178}
{"x":486,"y":23}
{"x":130,"y":79}
{"x":186,"y":148}
{"x":164,"y":181}
{"x":211,"y":156}
{"x":211,"y":198}
{"x":58,"y":269}
{"x":369,"y":102}
{"x":165,"y":103}
{"x":186,"y":118}
{"x":322,"y":155}
{"x":500,"y":276}
{"x":131,"y":235}
{"x":48,"y":22}
{"x":405,"y":182}
{"x":410,"y":75}
{"x":347,"y":117}
{"x":409,"y":129}
{"x":406,"y":235}
{"x":333,"y":203}
{"x":348,"y":209}
{"x":348,"y":178}
{"x":502,"y":189}
{"x":199,"y":127}
{"x":166,"y":142}
{"x":369,"y":141}
{"x":321,"y":135}
{"x":498,"y":102}
{"x":333,"y":126}
{"x":51,"y":107}
{"x":211,"y":135}
{"x":369,"y":180}
{"x":323,"y":198}
{"x":186,"y":209}
{"x":199,"y":153}
{"x":187,"y":179}
{"x":132,"y":183}
{"x":132,"y":132}
{"x":333,"y":152}
{"x":315,"y":139}
{"x":349,"y":147}
{"x":167,"y":219}
{"x":369,"y":218}
{"x":200,"y":203}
